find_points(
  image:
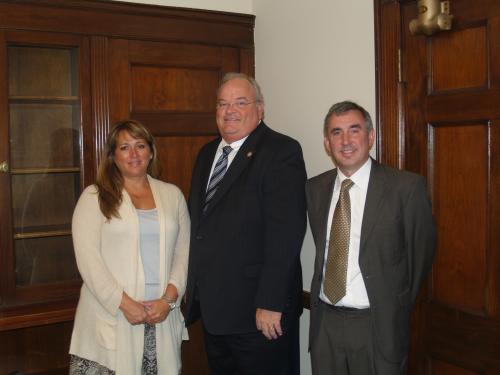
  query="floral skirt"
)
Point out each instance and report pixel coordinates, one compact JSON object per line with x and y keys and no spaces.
{"x":82,"y":366}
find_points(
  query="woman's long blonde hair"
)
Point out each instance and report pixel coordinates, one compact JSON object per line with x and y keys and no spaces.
{"x":109,"y":178}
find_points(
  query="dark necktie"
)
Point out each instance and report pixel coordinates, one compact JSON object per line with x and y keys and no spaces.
{"x":338,"y":246}
{"x":217,"y":175}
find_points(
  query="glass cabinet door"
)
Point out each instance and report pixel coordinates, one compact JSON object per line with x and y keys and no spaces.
{"x":45,"y":132}
{"x":44,"y":166}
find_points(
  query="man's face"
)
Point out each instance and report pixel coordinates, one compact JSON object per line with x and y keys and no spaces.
{"x":237,"y":112}
{"x":348,"y":141}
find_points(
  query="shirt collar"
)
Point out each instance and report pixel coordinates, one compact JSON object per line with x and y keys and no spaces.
{"x":235,"y":145}
{"x":360,"y":177}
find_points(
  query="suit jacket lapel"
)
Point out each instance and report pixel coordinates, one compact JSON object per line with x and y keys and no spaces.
{"x":324,"y":194}
{"x":374,"y":199}
{"x":238,"y":165}
{"x":202,"y":182}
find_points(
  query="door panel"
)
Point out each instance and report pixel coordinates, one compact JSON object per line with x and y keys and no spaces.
{"x":452,"y":110}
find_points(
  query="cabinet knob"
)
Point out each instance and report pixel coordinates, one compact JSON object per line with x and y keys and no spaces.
{"x":4,"y":167}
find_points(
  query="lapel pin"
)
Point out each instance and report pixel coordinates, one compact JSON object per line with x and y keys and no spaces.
{"x":249,"y":154}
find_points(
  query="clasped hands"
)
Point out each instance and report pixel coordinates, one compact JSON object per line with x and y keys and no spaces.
{"x":140,"y":312}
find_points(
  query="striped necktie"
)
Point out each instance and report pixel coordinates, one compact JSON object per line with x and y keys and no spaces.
{"x":217,"y":175}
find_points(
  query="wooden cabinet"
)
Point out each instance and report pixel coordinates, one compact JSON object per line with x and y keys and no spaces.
{"x":43,"y":173}
{"x":72,"y":69}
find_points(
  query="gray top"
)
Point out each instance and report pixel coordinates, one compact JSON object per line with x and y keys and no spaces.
{"x":150,"y":251}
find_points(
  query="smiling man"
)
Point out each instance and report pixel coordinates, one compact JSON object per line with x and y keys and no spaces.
{"x":375,"y":239}
{"x":248,"y":219}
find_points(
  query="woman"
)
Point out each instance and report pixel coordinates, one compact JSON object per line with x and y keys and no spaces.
{"x":131,"y":240}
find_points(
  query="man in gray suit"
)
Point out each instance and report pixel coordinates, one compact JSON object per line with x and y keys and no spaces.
{"x":375,"y":240}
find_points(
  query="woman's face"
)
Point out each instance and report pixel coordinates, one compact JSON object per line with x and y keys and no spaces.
{"x":132,"y":156}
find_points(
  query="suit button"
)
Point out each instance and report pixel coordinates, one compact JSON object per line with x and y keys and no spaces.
{"x":199,"y":237}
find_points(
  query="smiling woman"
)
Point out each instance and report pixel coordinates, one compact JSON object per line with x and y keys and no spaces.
{"x":131,"y":240}
{"x":132,"y":155}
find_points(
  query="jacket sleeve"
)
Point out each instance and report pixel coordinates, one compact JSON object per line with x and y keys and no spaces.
{"x":178,"y":272}
{"x":420,"y":235}
{"x":86,"y":229}
{"x":285,"y":224}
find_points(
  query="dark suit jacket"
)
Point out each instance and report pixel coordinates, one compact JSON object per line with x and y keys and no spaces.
{"x":245,"y":250}
{"x":396,"y":250}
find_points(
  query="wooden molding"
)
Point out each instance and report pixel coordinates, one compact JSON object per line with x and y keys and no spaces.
{"x":128,"y":20}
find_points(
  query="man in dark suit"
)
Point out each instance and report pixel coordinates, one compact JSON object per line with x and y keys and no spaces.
{"x":375,"y":240}
{"x":248,"y":220}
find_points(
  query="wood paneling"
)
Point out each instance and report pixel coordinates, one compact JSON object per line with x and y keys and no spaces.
{"x":173,"y":89}
{"x":443,"y":368}
{"x":129,"y":20}
{"x":100,"y":94}
{"x":460,"y":195}
{"x":159,"y":65}
{"x":467,"y":51}
{"x":177,"y":155}
{"x":36,"y":350}
{"x":390,"y":130}
{"x":451,"y":134}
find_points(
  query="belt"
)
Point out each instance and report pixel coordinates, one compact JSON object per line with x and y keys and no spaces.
{"x":343,"y":308}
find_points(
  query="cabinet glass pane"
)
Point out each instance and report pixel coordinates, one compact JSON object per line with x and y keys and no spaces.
{"x":45,"y":153}
{"x":44,"y":260}
{"x":44,"y":135}
{"x":44,"y":200}
{"x":38,"y":72}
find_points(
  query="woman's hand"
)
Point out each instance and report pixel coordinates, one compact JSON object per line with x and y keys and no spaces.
{"x":157,"y":310}
{"x":134,"y":311}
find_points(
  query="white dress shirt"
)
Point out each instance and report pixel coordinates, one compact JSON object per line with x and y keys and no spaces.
{"x":235,"y":146}
{"x":356,"y":295}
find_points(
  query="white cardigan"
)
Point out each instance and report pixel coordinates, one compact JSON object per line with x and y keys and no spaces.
{"x":109,"y":261}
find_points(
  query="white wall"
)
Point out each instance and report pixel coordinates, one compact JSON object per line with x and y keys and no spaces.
{"x":309,"y":55}
{"x":236,"y":6}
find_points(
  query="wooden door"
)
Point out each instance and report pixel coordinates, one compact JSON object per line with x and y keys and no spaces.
{"x":171,"y":88}
{"x":449,"y":113}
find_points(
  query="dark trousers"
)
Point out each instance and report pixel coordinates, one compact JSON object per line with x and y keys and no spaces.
{"x":253,"y":354}
{"x":344,"y":344}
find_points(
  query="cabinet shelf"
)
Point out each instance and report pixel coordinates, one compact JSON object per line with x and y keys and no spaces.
{"x":45,"y":170}
{"x":20,"y":99}
{"x":42,"y":231}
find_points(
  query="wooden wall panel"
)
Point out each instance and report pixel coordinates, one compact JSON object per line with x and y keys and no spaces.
{"x":493,"y":294}
{"x":177,"y":155}
{"x":460,"y":196}
{"x":36,"y":350}
{"x":390,"y":129}
{"x":100,"y":94}
{"x":175,"y":54}
{"x":162,"y":88}
{"x":467,"y":51}
{"x":444,"y":368}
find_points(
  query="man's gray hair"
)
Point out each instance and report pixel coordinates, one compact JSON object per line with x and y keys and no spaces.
{"x":341,"y":108}
{"x":233,"y":75}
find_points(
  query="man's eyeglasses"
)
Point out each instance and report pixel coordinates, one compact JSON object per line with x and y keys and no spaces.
{"x":240,"y":104}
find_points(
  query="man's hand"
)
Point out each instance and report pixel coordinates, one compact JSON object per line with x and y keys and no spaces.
{"x":269,"y":323}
